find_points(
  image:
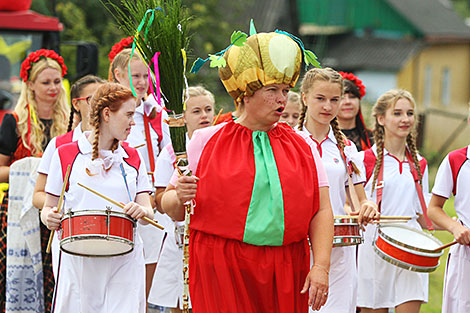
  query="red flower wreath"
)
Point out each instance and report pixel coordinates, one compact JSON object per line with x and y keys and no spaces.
{"x":35,"y":56}
{"x":118,"y":47}
{"x":356,"y":81}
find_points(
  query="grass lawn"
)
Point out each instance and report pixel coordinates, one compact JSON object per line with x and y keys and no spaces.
{"x":436,"y":278}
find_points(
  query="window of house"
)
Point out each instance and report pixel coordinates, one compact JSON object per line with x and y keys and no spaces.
{"x":445,"y":86}
{"x":427,"y":85}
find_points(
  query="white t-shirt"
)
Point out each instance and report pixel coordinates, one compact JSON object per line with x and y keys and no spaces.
{"x":444,"y":184}
{"x":336,"y":170}
{"x":399,"y":195}
{"x":110,"y":183}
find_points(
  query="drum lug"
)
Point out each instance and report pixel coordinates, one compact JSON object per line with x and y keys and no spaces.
{"x":108,"y":220}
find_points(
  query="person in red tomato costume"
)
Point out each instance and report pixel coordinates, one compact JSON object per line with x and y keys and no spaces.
{"x":260,"y":191}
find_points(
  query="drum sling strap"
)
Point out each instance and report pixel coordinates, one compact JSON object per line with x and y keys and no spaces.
{"x":352,"y":195}
{"x":419,"y":190}
{"x":457,"y":159}
{"x":414,"y":172}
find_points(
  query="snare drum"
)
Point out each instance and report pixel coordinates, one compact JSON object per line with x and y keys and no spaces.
{"x":97,"y":233}
{"x":347,"y":232}
{"x":407,"y":247}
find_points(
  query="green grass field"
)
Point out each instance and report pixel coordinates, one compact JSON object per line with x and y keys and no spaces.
{"x":436,"y":278}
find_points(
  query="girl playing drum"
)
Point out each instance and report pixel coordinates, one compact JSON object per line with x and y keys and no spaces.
{"x":322,"y":90}
{"x":381,"y":284}
{"x":99,"y":161}
{"x":453,"y":178}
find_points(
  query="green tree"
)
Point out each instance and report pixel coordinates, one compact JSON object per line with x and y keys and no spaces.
{"x":212,"y":23}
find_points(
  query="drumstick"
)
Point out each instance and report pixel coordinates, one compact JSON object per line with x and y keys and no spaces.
{"x":120,"y":205}
{"x":137,"y":147}
{"x":445,"y":246}
{"x":217,"y":117}
{"x":388,"y":222}
{"x":59,"y":206}
{"x":382,"y":217}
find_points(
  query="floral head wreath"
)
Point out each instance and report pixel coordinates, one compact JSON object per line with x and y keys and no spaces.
{"x":356,"y":81}
{"x":118,"y":47}
{"x":35,"y":56}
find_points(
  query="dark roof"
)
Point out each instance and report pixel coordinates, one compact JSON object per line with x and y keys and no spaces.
{"x":351,"y":53}
{"x":434,"y":18}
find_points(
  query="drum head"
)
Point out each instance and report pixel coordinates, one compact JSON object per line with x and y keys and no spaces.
{"x":410,"y":237}
{"x":96,"y":246}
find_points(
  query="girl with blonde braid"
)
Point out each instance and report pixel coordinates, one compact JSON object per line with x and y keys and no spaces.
{"x":99,"y":161}
{"x":381,"y":284}
{"x":322,"y":90}
{"x":150,"y":134}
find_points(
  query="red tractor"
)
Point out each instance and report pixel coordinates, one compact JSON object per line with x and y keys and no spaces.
{"x":23,"y":31}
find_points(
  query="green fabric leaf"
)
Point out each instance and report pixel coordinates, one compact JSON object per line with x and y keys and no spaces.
{"x":238,"y":38}
{"x":217,"y":61}
{"x":311,"y":58}
{"x":252,"y":28}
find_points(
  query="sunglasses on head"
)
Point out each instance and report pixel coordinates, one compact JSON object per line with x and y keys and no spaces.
{"x":87,"y":99}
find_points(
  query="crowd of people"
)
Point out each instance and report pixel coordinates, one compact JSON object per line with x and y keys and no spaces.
{"x":267,"y":182}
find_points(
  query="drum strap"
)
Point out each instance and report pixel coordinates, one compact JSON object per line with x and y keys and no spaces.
{"x":419,"y":190}
{"x":380,"y":185}
{"x":352,"y":195}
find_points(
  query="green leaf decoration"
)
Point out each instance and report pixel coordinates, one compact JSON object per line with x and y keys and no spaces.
{"x":252,"y":28}
{"x":217,"y":61}
{"x":238,"y":38}
{"x":311,"y":58}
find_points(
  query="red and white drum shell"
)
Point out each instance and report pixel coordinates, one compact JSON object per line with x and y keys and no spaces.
{"x":97,"y":233}
{"x":347,"y":232}
{"x":407,"y":247}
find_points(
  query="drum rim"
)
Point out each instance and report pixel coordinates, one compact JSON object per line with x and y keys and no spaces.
{"x":396,"y":242}
{"x":96,"y":236}
{"x":343,"y":220}
{"x":356,"y":240}
{"x":403,"y":265}
{"x":97,"y":212}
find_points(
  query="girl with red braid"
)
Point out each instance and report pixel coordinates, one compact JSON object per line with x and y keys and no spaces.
{"x":259,"y":190}
{"x":105,"y":284}
{"x":321,"y":96}
{"x":349,"y":116}
{"x":381,"y":284}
